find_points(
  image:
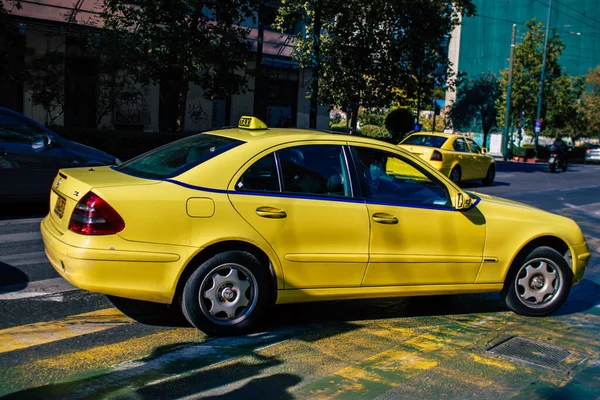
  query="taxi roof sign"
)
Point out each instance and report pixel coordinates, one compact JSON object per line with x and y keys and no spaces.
{"x":252,"y":123}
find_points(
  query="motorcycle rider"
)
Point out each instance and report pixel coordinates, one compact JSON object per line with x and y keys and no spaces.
{"x":560,"y":147}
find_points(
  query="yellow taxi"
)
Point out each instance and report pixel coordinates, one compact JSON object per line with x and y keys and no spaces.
{"x":456,"y":156}
{"x":226,"y":223}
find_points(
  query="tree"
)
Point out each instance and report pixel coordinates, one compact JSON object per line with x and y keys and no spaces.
{"x":45,"y":77}
{"x":560,"y":92}
{"x":371,"y":49}
{"x":399,"y":121}
{"x":589,"y":105}
{"x":117,"y":86}
{"x":476,"y":100}
{"x":181,"y":42}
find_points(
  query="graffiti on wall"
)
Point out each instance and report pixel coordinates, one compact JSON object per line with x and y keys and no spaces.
{"x":135,"y":110}
{"x":195,"y":112}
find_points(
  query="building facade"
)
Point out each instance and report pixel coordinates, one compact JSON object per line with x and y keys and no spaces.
{"x":58,"y":26}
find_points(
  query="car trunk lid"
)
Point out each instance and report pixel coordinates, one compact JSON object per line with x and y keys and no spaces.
{"x":423,"y":152}
{"x":71,"y":185}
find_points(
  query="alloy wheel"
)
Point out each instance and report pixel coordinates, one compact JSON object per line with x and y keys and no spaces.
{"x":538,"y":282}
{"x":228,"y":294}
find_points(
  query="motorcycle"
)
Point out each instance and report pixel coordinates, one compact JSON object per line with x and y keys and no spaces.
{"x":556,"y":160}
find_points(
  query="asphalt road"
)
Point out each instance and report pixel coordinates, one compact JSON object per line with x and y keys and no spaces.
{"x":60,"y":342}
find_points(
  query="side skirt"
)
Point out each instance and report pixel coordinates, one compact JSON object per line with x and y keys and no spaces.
{"x":310,"y":295}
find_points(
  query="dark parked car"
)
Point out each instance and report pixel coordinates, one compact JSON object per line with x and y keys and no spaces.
{"x":31,"y":154}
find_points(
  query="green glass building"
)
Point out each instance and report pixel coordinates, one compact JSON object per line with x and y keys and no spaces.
{"x":485,"y":38}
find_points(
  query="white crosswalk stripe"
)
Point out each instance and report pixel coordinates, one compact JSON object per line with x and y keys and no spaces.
{"x":20,"y":237}
{"x":17,"y":260}
{"x":35,"y":289}
{"x":20,"y":221}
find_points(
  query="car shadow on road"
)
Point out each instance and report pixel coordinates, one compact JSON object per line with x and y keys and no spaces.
{"x":11,"y":279}
{"x":148,"y":313}
{"x":375,"y":309}
{"x":583,"y":297}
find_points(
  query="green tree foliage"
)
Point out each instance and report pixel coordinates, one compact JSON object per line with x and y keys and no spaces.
{"x":178,"y":42}
{"x":589,"y":106}
{"x":399,"y":121}
{"x":373,"y":50}
{"x":560,"y":92}
{"x":376,"y":132}
{"x":476,"y":100}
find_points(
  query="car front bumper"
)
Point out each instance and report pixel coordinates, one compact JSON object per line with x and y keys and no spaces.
{"x":150,"y":274}
{"x":581,"y":257}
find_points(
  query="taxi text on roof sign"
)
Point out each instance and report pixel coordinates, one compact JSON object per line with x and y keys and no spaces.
{"x":251,"y":123}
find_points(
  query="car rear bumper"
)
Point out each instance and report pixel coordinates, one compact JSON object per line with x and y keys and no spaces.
{"x":141,"y":275}
{"x":581,"y":257}
{"x":592,"y":158}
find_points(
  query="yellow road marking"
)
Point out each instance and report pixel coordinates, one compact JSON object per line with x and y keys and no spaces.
{"x":21,"y":337}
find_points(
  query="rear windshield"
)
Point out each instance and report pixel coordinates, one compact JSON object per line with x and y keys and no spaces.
{"x":426,"y":140}
{"x":177,"y":157}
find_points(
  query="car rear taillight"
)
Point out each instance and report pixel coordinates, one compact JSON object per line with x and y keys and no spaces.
{"x":588,"y":151}
{"x":436,"y":156}
{"x":94,"y":216}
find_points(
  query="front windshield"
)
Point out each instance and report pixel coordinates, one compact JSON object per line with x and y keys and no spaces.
{"x":426,"y":140}
{"x":177,"y":157}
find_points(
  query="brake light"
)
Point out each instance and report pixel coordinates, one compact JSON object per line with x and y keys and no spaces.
{"x":588,"y":151}
{"x":436,"y":156}
{"x":94,"y":216}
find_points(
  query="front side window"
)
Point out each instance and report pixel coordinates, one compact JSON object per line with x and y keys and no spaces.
{"x":260,"y":177}
{"x":17,"y":130}
{"x":315,"y":170}
{"x":389,"y":178}
{"x":474,"y":147}
{"x":177,"y":157}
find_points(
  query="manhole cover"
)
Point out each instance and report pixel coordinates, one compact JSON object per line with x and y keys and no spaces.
{"x":530,"y":351}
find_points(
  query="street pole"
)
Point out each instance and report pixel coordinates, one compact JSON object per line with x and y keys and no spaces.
{"x":539,"y":105}
{"x":314,"y":96}
{"x":508,"y":93}
{"x":433,"y":124}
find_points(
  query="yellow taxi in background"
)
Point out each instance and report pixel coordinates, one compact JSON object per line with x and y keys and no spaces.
{"x":456,"y":156}
{"x":226,"y":223}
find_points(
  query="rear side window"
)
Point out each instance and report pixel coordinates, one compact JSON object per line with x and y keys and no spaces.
{"x":317,"y":170}
{"x":426,"y":140}
{"x":460,"y":145}
{"x":177,"y":157}
{"x":261,"y":176}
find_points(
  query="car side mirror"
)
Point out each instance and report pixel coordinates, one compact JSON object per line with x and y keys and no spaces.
{"x":463,"y":201}
{"x":484,"y":150}
{"x":43,"y":143}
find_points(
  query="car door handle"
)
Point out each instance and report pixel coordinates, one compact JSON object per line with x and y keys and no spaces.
{"x":270,"y":212}
{"x":384,"y":218}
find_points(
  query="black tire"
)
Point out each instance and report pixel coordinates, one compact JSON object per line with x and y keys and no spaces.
{"x":552,"y":167}
{"x":228,"y":278}
{"x":489,"y":177}
{"x":455,"y":175}
{"x":538,"y":284}
{"x":564,"y":167}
